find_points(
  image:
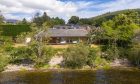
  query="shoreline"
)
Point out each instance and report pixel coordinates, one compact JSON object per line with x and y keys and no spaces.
{"x":20,"y":68}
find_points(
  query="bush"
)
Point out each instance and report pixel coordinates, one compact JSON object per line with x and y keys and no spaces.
{"x":20,"y":54}
{"x":99,"y":62}
{"x":134,"y":55}
{"x":123,"y":52}
{"x":4,"y":60}
{"x":42,"y":53}
{"x":14,"y":30}
{"x":111,"y":53}
{"x":6,"y":40}
{"x":35,"y":53}
{"x":76,"y":56}
{"x":93,"y":53}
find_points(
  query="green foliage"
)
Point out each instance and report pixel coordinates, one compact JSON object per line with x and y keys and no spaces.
{"x":41,"y":53}
{"x":111,"y":53}
{"x":5,"y":40}
{"x":1,"y":18}
{"x":121,"y":27}
{"x":21,"y":38}
{"x":119,"y":30}
{"x":14,"y":30}
{"x":100,"y":62}
{"x":39,"y":20}
{"x":58,"y":21}
{"x":24,"y":21}
{"x":76,"y":56}
{"x":73,"y":20}
{"x":20,"y":53}
{"x":93,"y":53}
{"x":132,"y":13}
{"x":54,"y":21}
{"x":35,"y":53}
{"x":134,"y":54}
{"x":85,"y":21}
{"x":4,"y":60}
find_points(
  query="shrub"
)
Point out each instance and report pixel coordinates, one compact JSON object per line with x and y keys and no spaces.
{"x":134,"y":54}
{"x":100,"y":61}
{"x":21,"y":54}
{"x":42,"y":53}
{"x":14,"y":30}
{"x":93,"y":53}
{"x":111,"y":53}
{"x":4,"y":60}
{"x":6,"y":39}
{"x":76,"y":56}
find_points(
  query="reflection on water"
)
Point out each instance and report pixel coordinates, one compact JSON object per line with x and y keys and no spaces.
{"x":113,"y":76}
{"x":50,"y":77}
{"x":100,"y":77}
{"x":57,"y":78}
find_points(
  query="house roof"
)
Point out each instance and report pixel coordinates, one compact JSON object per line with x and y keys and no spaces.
{"x":64,"y":33}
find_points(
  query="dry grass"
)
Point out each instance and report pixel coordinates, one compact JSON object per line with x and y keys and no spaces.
{"x":59,"y":46}
{"x":18,"y":45}
{"x":54,"y":46}
{"x":66,"y":46}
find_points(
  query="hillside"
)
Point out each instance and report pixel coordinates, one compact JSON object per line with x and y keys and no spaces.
{"x":101,"y":18}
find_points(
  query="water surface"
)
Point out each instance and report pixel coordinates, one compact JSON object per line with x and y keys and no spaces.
{"x":112,"y":76}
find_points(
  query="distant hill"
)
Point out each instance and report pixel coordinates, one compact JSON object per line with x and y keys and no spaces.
{"x":97,"y":21}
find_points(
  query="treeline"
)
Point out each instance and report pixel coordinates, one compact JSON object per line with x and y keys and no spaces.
{"x":98,"y":20}
{"x":44,"y":19}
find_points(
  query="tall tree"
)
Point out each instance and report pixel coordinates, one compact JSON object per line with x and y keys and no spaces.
{"x":24,"y":21}
{"x":84,"y":21}
{"x":73,"y":20}
{"x":58,"y":21}
{"x":1,"y":18}
{"x":119,"y":28}
{"x":37,"y":19}
{"x":45,"y":17}
{"x":46,"y":20}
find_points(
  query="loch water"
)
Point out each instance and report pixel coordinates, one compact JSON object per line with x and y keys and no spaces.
{"x":110,"y":76}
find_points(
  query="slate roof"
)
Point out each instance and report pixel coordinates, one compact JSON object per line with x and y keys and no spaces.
{"x":64,"y":33}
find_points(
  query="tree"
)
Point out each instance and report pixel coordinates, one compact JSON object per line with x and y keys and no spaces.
{"x":48,"y":24}
{"x":4,"y":60}
{"x":135,"y":16}
{"x":37,"y":20}
{"x":76,"y":56}
{"x":58,"y":21}
{"x":24,"y":21}
{"x":119,"y":28}
{"x":45,"y":17}
{"x":1,"y":18}
{"x":73,"y":20}
{"x":41,"y":53}
{"x":84,"y":21}
{"x":134,"y":54}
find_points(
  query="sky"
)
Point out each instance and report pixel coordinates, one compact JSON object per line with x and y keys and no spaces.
{"x":19,"y":9}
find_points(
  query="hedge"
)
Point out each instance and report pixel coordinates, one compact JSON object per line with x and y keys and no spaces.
{"x":13,"y":30}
